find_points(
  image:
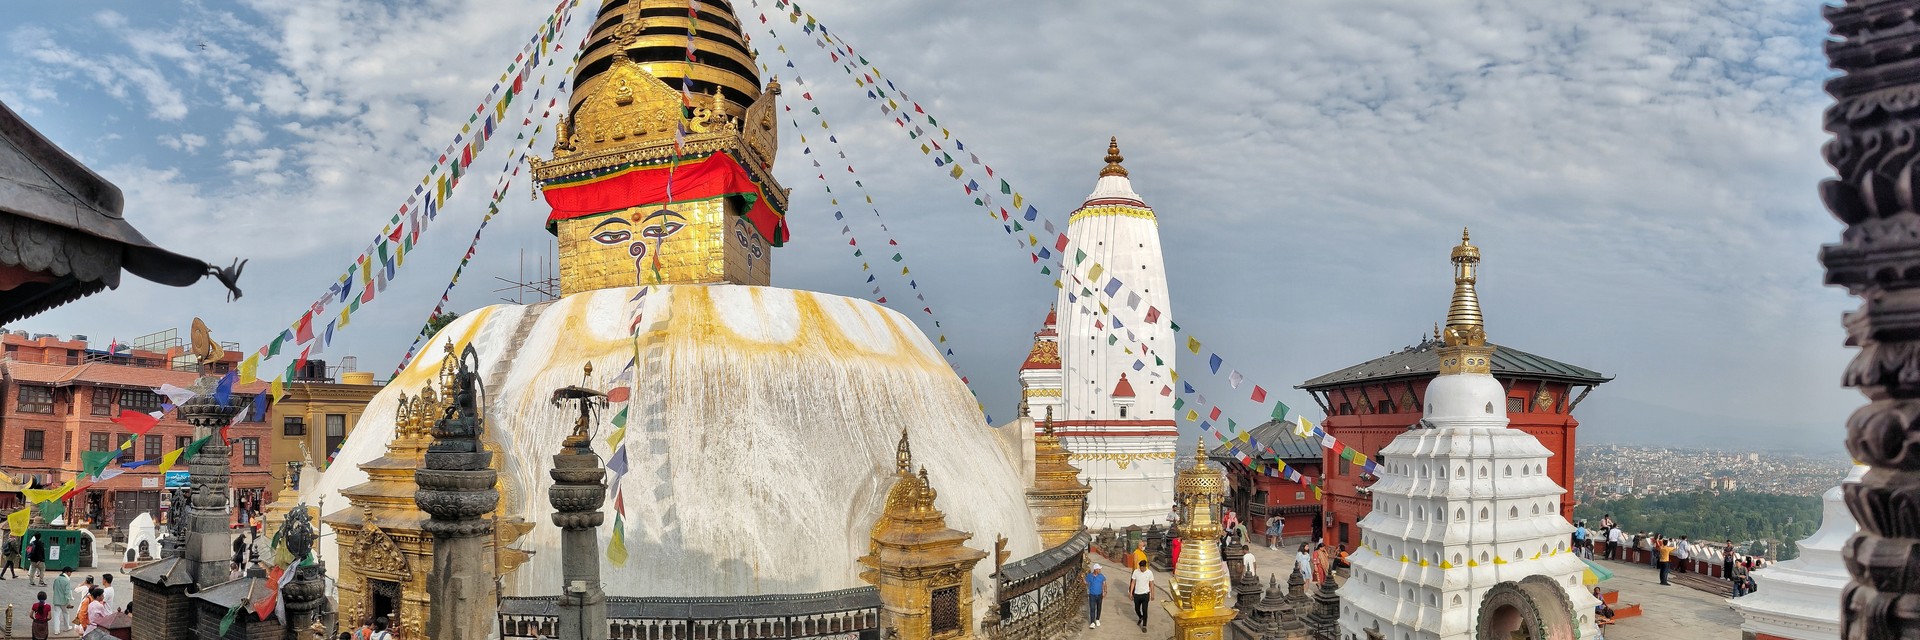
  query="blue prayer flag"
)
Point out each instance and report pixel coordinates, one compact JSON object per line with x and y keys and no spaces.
{"x":1213,"y":362}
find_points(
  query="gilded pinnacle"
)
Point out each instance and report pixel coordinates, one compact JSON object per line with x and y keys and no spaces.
{"x":1114,"y":159}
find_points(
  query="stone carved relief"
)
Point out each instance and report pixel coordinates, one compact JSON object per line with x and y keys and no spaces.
{"x":1875,"y":120}
{"x":377,"y":553}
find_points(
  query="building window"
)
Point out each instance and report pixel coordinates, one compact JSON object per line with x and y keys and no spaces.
{"x":125,"y":449}
{"x":102,"y":401}
{"x":36,"y":445}
{"x":36,"y":399}
{"x":141,"y":401}
{"x":181,"y":442}
{"x":944,"y":611}
{"x":293,"y":426}
{"x":1516,"y":405}
{"x":99,"y":441}
{"x":66,"y":452}
{"x":1123,"y":412}
{"x":1343,"y":534}
{"x":336,"y":431}
{"x":1344,"y":464}
{"x":250,"y":452}
{"x":1346,"y":409}
{"x":153,"y":445}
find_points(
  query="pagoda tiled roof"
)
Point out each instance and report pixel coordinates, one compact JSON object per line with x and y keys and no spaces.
{"x":1423,"y":360}
{"x":1277,"y":434}
{"x":80,"y":242}
{"x":112,"y":375}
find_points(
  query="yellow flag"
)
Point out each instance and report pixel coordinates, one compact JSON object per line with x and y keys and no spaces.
{"x":37,"y":496}
{"x":956,"y":171}
{"x":617,"y":549}
{"x":1094,"y":275}
{"x":1303,"y":428}
{"x":1192,"y":415}
{"x":18,"y":520}
{"x":277,"y":389}
{"x":1193,"y":344}
{"x":249,"y":369}
{"x":166,"y":461}
{"x":619,"y":436}
{"x":1017,"y":199}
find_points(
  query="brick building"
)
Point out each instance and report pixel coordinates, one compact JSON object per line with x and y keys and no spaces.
{"x":309,"y":424}
{"x":59,"y":397}
{"x":1255,"y":495}
{"x":1369,"y":403}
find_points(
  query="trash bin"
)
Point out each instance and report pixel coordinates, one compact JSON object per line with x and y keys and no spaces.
{"x":63,"y":547}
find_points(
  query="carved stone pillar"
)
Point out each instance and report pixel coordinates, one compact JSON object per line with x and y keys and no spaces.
{"x":306,"y":593}
{"x":579,"y":489}
{"x":209,"y":541}
{"x":1874,"y":122}
{"x":457,"y":492}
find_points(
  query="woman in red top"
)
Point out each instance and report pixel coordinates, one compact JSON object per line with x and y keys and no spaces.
{"x":41,"y":613}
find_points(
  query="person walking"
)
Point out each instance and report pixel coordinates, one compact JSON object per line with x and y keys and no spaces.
{"x":1141,"y":586}
{"x":12,"y":549}
{"x":36,"y":561}
{"x":1663,"y":558}
{"x":1275,"y":525}
{"x":1096,"y":589}
{"x":63,"y":601}
{"x":1682,"y":555}
{"x":94,"y":612}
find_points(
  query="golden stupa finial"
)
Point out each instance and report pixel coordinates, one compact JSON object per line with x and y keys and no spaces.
{"x":903,"y":455}
{"x":1464,"y":341}
{"x":1436,"y":332}
{"x":1114,"y":159}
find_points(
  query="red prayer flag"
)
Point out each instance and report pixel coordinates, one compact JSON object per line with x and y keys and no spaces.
{"x":1259,"y":394}
{"x":303,"y":332}
{"x":1061,"y":245}
{"x":1214,"y":415}
{"x":137,"y":422}
{"x":619,"y":394}
{"x":1153,"y":314}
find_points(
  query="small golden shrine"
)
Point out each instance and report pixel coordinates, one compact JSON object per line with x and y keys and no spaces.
{"x":1200,"y":605}
{"x":662,"y":169}
{"x":1058,"y":498}
{"x":384,"y":552}
{"x":923,"y":569}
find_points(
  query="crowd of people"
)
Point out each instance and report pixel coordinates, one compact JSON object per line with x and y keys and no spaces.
{"x":1666,"y":554}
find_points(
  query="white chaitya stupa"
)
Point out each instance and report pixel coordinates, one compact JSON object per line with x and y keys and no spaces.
{"x":1107,"y":412}
{"x":1800,"y":599}
{"x":1463,"y":503}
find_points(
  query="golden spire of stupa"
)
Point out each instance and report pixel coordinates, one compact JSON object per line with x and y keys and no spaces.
{"x":1465,"y":347}
{"x":1114,"y":159}
{"x":653,"y":34}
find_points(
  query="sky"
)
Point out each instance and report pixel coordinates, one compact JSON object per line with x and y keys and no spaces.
{"x":1640,"y":176}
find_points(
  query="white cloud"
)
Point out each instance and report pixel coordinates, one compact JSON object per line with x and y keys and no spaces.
{"x":188,"y":142}
{"x":244,"y":131}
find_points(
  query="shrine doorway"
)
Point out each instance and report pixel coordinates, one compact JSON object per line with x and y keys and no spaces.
{"x":383,"y":599}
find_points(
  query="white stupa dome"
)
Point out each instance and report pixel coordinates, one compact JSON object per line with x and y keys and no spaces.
{"x":771,"y":454}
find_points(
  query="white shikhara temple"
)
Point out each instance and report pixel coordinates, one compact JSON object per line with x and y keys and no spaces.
{"x":1799,"y":598}
{"x":1082,"y":373}
{"x":1463,"y":502}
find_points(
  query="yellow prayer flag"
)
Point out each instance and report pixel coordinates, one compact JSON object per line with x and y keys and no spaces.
{"x":1192,"y":415}
{"x":956,"y":171}
{"x":1193,"y":344}
{"x":1094,"y":275}
{"x":1017,"y":199}
{"x":345,"y":314}
{"x":166,"y":461}
{"x":37,"y":496}
{"x":1303,"y":428}
{"x":18,"y":520}
{"x":619,"y":436}
{"x":277,"y":390}
{"x":249,"y":369}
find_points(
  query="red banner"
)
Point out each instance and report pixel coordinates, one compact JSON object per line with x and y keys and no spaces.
{"x":710,"y":177}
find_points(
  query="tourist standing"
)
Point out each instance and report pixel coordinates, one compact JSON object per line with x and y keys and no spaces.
{"x":1727,"y":561}
{"x":1138,"y":556}
{"x":1580,"y":546}
{"x":36,"y":562}
{"x":1096,"y":589}
{"x":1141,"y":586}
{"x":1738,"y":576}
{"x":40,"y":614}
{"x":97,"y":611}
{"x":1303,"y":563}
{"x":1275,"y":525}
{"x":63,"y":601}
{"x":1173,"y":560}
{"x":1246,"y":563}
{"x":1663,"y":558}
{"x":106,"y":590}
{"x":1682,"y":554}
{"x":1613,"y":540}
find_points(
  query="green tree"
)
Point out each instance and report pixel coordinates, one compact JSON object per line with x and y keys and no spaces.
{"x":438,"y":322}
{"x":1741,"y":516}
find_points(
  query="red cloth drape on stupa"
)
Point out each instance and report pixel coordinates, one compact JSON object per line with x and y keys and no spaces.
{"x":714,"y":176}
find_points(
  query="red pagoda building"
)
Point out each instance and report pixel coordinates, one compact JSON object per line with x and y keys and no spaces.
{"x":1256,"y":495}
{"x":1369,"y":403}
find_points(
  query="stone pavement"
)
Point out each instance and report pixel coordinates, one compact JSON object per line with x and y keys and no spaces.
{"x":17,"y":593}
{"x":1674,"y":612}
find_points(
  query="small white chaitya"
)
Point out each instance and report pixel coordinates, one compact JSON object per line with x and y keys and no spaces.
{"x":1106,"y":406}
{"x":1800,"y":598}
{"x":1463,"y":502}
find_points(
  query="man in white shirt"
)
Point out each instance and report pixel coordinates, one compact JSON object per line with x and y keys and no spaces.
{"x":1613,"y":542}
{"x":106,"y":585}
{"x":1141,"y":586}
{"x":1682,"y":552}
{"x":1246,"y":562}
